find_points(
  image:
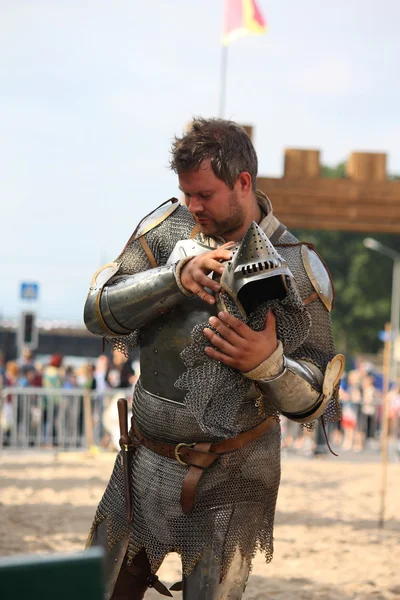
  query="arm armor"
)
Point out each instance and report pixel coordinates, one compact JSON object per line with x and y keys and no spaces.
{"x":301,"y":392}
{"x":125,"y":302}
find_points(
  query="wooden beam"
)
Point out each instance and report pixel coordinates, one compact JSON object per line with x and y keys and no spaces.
{"x":335,"y":204}
{"x":339,"y":225}
{"x":323,"y":187}
{"x":333,"y":189}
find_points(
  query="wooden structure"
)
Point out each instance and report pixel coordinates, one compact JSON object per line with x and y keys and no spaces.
{"x":366,"y":201}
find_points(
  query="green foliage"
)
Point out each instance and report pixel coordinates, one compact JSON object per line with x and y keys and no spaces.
{"x":338,"y":172}
{"x":363,"y":281}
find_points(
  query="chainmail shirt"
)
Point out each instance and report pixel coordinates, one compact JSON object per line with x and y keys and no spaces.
{"x":236,"y":496}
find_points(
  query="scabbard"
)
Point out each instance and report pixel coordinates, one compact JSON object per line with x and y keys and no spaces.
{"x":127,"y":448}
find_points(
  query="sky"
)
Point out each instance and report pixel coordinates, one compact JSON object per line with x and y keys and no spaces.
{"x":93,"y":91}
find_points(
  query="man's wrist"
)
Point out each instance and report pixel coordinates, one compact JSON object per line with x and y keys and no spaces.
{"x":177,"y":272}
{"x":270,"y":367}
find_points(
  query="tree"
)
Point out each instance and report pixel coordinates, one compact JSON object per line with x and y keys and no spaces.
{"x":363,"y":281}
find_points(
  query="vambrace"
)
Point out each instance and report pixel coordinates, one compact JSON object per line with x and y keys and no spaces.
{"x":125,"y":302}
{"x":301,"y":392}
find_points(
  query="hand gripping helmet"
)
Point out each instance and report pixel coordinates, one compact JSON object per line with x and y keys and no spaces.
{"x":255,"y":274}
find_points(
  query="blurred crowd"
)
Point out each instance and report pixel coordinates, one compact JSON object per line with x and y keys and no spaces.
{"x":114,"y":372}
{"x":361,"y":398}
{"x":58,"y":415}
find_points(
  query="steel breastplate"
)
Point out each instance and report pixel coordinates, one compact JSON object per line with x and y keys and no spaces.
{"x":161,"y":343}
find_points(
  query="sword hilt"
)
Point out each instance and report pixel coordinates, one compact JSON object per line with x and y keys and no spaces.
{"x":125,"y":439}
{"x":126,"y":445}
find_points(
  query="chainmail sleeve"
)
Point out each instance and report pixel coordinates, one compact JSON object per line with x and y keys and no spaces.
{"x":133,"y":260}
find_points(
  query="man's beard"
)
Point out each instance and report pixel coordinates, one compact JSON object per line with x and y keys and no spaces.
{"x":232,"y":222}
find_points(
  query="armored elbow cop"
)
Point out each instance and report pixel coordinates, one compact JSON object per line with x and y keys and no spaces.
{"x":301,"y":392}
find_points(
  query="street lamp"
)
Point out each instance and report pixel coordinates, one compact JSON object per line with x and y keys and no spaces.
{"x":394,"y":333}
{"x":395,"y":303}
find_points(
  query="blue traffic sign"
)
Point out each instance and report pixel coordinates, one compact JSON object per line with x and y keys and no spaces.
{"x":29,"y":291}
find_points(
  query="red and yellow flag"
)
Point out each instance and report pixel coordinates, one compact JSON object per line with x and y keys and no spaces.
{"x":242,"y":17}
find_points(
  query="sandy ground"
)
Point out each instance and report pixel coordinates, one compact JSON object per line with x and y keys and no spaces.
{"x":327,"y":543}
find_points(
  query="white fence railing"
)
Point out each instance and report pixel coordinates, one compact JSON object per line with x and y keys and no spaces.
{"x":70,"y":419}
{"x":55,"y":418}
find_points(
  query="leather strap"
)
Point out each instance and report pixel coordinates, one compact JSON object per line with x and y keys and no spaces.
{"x":314,"y":296}
{"x":244,"y":438}
{"x":200,"y":456}
{"x":195,"y":454}
{"x":177,"y":587}
{"x":192,"y":478}
{"x":189,"y":455}
{"x":141,"y":570}
{"x":149,"y":254}
{"x":278,"y":233}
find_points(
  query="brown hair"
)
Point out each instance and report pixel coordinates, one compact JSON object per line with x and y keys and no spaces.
{"x":224,"y":143}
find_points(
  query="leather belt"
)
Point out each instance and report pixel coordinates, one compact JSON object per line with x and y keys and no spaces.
{"x":200,"y":456}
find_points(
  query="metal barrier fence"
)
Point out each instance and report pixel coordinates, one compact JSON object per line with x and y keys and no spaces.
{"x":76,"y":418}
{"x":361,"y":428}
{"x":55,"y":418}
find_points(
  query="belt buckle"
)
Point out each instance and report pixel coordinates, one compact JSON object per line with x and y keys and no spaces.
{"x":176,"y":452}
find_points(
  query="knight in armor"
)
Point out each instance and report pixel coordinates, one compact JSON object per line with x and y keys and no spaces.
{"x":231,"y":315}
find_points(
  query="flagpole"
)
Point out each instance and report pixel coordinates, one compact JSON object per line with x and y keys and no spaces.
{"x":222,"y":81}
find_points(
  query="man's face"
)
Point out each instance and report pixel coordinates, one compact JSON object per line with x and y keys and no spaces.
{"x":216,"y":208}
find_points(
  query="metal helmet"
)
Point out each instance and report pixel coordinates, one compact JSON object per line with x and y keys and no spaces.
{"x":255,"y":274}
